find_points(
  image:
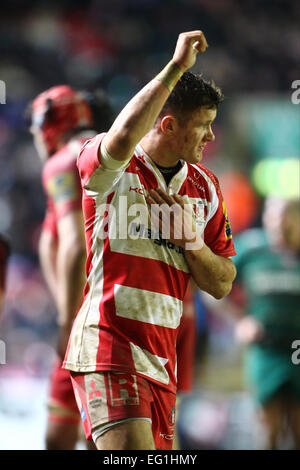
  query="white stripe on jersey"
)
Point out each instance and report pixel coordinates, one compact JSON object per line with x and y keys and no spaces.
{"x":213,"y":205}
{"x":149,"y":365}
{"x":84,"y":351}
{"x":148,"y":307}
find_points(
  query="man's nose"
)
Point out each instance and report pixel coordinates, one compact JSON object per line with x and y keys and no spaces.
{"x":210,"y":136}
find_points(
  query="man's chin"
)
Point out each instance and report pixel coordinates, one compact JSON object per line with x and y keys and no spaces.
{"x":196,"y":158}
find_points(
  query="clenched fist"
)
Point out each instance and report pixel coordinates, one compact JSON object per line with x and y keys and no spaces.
{"x":188,"y":46}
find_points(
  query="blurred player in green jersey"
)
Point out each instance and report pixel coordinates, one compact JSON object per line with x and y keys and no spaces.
{"x":268,"y":265}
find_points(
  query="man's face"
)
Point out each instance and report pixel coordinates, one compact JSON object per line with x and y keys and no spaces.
{"x":39,"y":143}
{"x":194,"y":134}
{"x":290,"y":227}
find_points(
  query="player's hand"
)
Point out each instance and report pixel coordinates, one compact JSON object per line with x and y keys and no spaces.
{"x":188,"y":46}
{"x":249,"y":330}
{"x":173,"y":216}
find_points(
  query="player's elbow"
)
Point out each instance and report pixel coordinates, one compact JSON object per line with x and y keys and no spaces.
{"x":221,"y":290}
{"x":223,"y":287}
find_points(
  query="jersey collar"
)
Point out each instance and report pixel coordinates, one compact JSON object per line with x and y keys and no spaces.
{"x":177,"y":180}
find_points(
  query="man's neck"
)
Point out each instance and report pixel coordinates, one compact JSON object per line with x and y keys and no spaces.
{"x":158,"y":152}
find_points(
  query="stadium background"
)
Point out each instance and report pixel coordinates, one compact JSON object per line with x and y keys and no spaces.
{"x":119,"y":45}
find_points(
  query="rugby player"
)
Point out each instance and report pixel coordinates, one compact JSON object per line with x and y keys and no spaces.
{"x":122,"y":348}
{"x":62,"y":120}
{"x":268,"y":263}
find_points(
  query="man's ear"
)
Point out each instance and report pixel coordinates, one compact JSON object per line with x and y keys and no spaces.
{"x":168,"y":124}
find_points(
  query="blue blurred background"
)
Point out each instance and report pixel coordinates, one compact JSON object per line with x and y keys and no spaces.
{"x":119,"y":45}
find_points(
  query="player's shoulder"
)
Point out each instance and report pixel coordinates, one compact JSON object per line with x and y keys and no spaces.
{"x":88,"y":158}
{"x":203,"y":177}
{"x":64,"y":160}
{"x":91,"y":144}
{"x":205,"y":172}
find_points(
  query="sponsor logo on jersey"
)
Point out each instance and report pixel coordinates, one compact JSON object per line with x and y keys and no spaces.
{"x":142,"y":231}
{"x":198,"y":186}
{"x":82,"y":414}
{"x":228,"y":233}
{"x":94,"y":392}
{"x":137,"y":190}
{"x":169,"y":437}
{"x":198,"y":209}
{"x":62,"y":188}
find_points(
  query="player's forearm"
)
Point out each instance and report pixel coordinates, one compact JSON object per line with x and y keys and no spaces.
{"x":140,"y":114}
{"x":47,"y":257}
{"x":212,"y":273}
{"x":71,"y":278}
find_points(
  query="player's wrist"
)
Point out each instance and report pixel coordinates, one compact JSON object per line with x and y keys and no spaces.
{"x":170,"y":75}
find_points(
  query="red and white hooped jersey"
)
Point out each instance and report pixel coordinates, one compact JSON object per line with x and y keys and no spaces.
{"x":135,"y":286}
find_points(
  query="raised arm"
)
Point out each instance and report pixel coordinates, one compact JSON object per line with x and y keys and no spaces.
{"x":140,"y":114}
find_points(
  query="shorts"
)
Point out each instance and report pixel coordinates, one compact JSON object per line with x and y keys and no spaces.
{"x":105,"y":398}
{"x":62,"y":404}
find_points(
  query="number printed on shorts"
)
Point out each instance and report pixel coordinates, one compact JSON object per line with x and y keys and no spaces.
{"x":123,"y":389}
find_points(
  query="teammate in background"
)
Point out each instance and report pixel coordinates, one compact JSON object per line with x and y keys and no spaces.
{"x":122,"y":345}
{"x":4,"y":254}
{"x":268,"y":264}
{"x":265,"y":307}
{"x":186,"y":342}
{"x":62,"y":120}
{"x":186,"y":350}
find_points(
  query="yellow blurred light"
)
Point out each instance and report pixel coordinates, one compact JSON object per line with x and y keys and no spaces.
{"x":277,"y":177}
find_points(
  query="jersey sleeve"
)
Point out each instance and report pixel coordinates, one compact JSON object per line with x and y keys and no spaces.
{"x":62,"y":187}
{"x":217,"y":233}
{"x":97,"y":180}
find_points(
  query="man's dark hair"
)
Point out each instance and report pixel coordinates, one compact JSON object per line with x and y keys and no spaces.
{"x":101,"y":108}
{"x":190,"y":93}
{"x":102,"y":113}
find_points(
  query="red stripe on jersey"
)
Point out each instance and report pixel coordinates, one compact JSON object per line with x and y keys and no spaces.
{"x":78,"y":383}
{"x":195,"y":185}
{"x":119,"y":270}
{"x":213,"y":177}
{"x":88,"y":160}
{"x":146,"y":176}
